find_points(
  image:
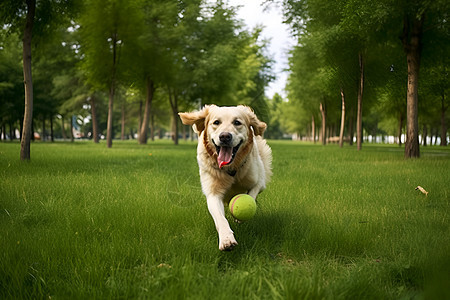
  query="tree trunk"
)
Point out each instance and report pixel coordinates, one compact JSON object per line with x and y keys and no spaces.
{"x":110,"y":117}
{"x":443,"y":122}
{"x":94,"y":120}
{"x":341,"y":132}
{"x":324,"y":123}
{"x":152,"y":126}
{"x":143,"y":135}
{"x":350,"y":128}
{"x":313,"y":127}
{"x":21,"y":128}
{"x":28,"y":82}
{"x":412,"y":45}
{"x":72,"y":138}
{"x":175,"y":120}
{"x":360,"y":98}
{"x":400,"y":127}
{"x":425,"y":135}
{"x":122,"y":132}
{"x":112,"y":91}
{"x":174,"y":105}
{"x":140,"y":121}
{"x":412,"y":123}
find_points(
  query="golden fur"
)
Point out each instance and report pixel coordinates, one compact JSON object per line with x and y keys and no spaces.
{"x":249,"y":169}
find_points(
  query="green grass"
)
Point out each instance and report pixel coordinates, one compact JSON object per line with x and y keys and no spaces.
{"x":85,"y":222}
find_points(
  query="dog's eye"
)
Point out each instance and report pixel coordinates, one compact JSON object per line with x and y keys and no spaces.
{"x":237,"y":123}
{"x":216,"y":122}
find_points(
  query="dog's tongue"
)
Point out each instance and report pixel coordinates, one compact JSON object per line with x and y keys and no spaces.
{"x":225,"y":156}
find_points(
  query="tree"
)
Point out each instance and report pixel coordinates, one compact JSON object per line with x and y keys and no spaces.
{"x":420,"y":20}
{"x":411,"y":40}
{"x":340,"y":51}
{"x":365,"y":29}
{"x":434,"y":80}
{"x":50,"y":14}
{"x":143,"y":133}
{"x":212,"y":60}
{"x":11,"y":84}
{"x":28,"y":81}
{"x":368,"y":29}
{"x":54,"y":63}
{"x":434,"y":89}
{"x":273,"y":130}
{"x":144,"y":56}
{"x":304,"y":85}
{"x":255,"y":73}
{"x":341,"y":131}
{"x":391,"y":96}
{"x":182,"y":43}
{"x":105,"y":27}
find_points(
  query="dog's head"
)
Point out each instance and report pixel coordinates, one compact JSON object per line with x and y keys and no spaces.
{"x":227,"y":131}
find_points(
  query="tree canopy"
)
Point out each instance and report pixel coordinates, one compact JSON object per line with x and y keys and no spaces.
{"x":370,"y":50}
{"x":358,"y":68}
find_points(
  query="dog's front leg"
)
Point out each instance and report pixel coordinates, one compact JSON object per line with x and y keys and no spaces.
{"x":254,"y":191}
{"x":217,"y":211}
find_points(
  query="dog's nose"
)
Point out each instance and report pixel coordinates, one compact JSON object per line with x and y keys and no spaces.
{"x":225,"y":137}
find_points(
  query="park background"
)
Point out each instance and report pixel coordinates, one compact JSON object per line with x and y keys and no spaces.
{"x":125,"y":217}
{"x":124,"y":69}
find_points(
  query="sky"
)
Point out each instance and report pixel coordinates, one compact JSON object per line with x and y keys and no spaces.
{"x":271,"y":18}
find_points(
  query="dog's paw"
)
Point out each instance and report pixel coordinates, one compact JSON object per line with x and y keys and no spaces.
{"x":227,"y":243}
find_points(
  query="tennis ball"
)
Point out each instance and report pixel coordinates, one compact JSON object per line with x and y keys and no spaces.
{"x":242,"y":207}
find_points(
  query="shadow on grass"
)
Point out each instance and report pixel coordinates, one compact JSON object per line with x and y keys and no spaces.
{"x":264,"y":238}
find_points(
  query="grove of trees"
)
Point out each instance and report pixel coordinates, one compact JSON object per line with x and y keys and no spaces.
{"x":96,"y":62}
{"x":125,"y":68}
{"x":373,"y":61}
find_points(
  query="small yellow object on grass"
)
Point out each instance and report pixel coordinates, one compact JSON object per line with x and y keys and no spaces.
{"x":422,"y":190}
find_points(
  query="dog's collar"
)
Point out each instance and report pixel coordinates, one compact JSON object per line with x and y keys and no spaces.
{"x":232,"y":172}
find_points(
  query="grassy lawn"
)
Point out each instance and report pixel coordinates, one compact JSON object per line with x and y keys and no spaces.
{"x":83,"y":221}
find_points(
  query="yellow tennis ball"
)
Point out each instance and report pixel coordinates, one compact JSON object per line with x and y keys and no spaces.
{"x":242,"y":207}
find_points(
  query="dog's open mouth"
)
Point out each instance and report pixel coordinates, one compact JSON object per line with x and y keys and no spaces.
{"x":225,"y":155}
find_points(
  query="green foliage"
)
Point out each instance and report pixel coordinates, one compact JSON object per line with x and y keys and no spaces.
{"x":331,"y":36}
{"x":194,"y":51}
{"x":304,"y":92}
{"x":231,"y":68}
{"x":81,"y":221}
{"x":198,"y":52}
{"x":11,"y":78}
{"x":275,"y":106}
{"x":295,"y":118}
{"x":50,"y":15}
{"x":105,"y":26}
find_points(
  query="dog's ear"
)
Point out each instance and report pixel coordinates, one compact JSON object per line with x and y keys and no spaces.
{"x":258,"y":126}
{"x":195,"y":118}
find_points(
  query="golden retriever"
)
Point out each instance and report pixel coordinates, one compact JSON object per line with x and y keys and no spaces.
{"x":233,"y":158}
